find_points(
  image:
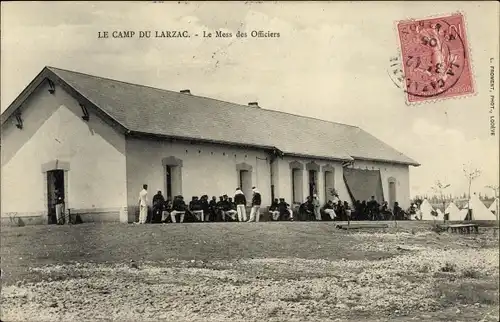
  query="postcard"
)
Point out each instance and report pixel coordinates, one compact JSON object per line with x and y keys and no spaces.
{"x":249,"y":161}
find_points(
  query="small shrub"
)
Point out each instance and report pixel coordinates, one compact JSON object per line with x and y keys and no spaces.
{"x":448,"y":268}
{"x":437,"y":228}
{"x":467,"y":293}
{"x":470,"y":273}
{"x":424,"y":268}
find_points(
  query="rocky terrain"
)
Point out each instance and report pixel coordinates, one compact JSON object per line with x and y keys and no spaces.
{"x":421,"y":275}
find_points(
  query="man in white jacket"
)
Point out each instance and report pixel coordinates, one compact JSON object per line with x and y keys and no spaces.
{"x":143,"y":204}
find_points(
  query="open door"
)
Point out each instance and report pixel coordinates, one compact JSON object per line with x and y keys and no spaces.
{"x":313,"y":183}
{"x":55,"y":183}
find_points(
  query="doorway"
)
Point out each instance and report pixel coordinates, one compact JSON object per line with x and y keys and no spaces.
{"x":173,"y":181}
{"x":392,"y":193}
{"x":245,"y":182}
{"x":55,"y":183}
{"x":169,"y":183}
{"x":313,"y":182}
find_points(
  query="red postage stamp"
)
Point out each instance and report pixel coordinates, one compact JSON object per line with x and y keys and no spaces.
{"x":435,"y":58}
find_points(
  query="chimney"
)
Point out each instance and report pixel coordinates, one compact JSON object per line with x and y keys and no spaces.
{"x":186,"y":91}
{"x":253,"y":104}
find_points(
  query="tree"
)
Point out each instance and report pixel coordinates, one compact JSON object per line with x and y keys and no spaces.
{"x":470,"y":174}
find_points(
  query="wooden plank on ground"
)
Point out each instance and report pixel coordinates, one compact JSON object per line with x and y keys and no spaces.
{"x":362,"y":226}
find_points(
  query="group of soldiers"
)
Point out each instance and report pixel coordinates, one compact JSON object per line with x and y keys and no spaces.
{"x":201,"y":209}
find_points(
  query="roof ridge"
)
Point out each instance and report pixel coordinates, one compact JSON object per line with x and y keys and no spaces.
{"x":204,"y":97}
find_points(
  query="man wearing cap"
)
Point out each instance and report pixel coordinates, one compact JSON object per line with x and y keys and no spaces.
{"x":256,"y":201}
{"x":240,"y":201}
{"x":179,"y":208}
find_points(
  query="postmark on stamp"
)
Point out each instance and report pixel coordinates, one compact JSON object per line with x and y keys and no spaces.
{"x":435,"y":58}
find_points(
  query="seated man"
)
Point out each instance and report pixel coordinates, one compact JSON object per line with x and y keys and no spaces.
{"x":328,"y":209}
{"x":385,"y":212}
{"x":212,"y":206}
{"x":306,"y":210}
{"x":273,"y":209}
{"x":373,"y":208}
{"x":205,"y":207}
{"x":196,"y":209}
{"x":228,"y":209}
{"x":219,"y":216}
{"x":179,"y":208}
{"x":167,"y":209}
{"x":285,"y":213}
{"x":158,"y":206}
{"x":398,"y":212}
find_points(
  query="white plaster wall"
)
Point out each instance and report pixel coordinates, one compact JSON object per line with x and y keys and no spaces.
{"x":53,"y":129}
{"x":207,"y":169}
{"x":399,"y":172}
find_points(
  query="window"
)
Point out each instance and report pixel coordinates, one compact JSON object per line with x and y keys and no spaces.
{"x":328,"y":181}
{"x":329,"y":184}
{"x":297,"y":170}
{"x":297,"y":185}
{"x":392,"y":191}
{"x":173,"y":176}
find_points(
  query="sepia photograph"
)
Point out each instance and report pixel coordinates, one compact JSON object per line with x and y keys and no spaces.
{"x":249,"y":161}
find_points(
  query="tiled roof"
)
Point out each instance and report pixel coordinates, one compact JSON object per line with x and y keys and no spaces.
{"x":161,"y":112}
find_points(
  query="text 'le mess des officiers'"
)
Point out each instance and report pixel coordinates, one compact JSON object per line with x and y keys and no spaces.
{"x":185,"y":34}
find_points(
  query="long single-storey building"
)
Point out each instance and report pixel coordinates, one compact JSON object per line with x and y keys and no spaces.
{"x":99,"y":140}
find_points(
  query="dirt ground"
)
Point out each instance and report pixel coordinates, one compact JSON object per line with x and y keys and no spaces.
{"x":298,"y":271}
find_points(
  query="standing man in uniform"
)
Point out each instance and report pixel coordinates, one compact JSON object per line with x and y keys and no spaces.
{"x":143,"y":204}
{"x":256,"y":201}
{"x":59,"y":207}
{"x":317,"y":206}
{"x":241,"y":202}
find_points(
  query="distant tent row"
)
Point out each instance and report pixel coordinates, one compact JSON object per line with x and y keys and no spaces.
{"x":479,"y":211}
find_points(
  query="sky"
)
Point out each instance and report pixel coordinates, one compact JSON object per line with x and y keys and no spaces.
{"x":330,"y":62}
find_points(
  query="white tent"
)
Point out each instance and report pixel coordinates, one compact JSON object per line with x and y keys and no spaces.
{"x":463,"y":213}
{"x":440,"y":213}
{"x":454,"y":214}
{"x":426,"y":209}
{"x":479,"y":210}
{"x":493,"y":206}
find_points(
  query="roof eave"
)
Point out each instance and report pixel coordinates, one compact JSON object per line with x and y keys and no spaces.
{"x":309,"y":156}
{"x":139,"y":134}
{"x":412,"y":163}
